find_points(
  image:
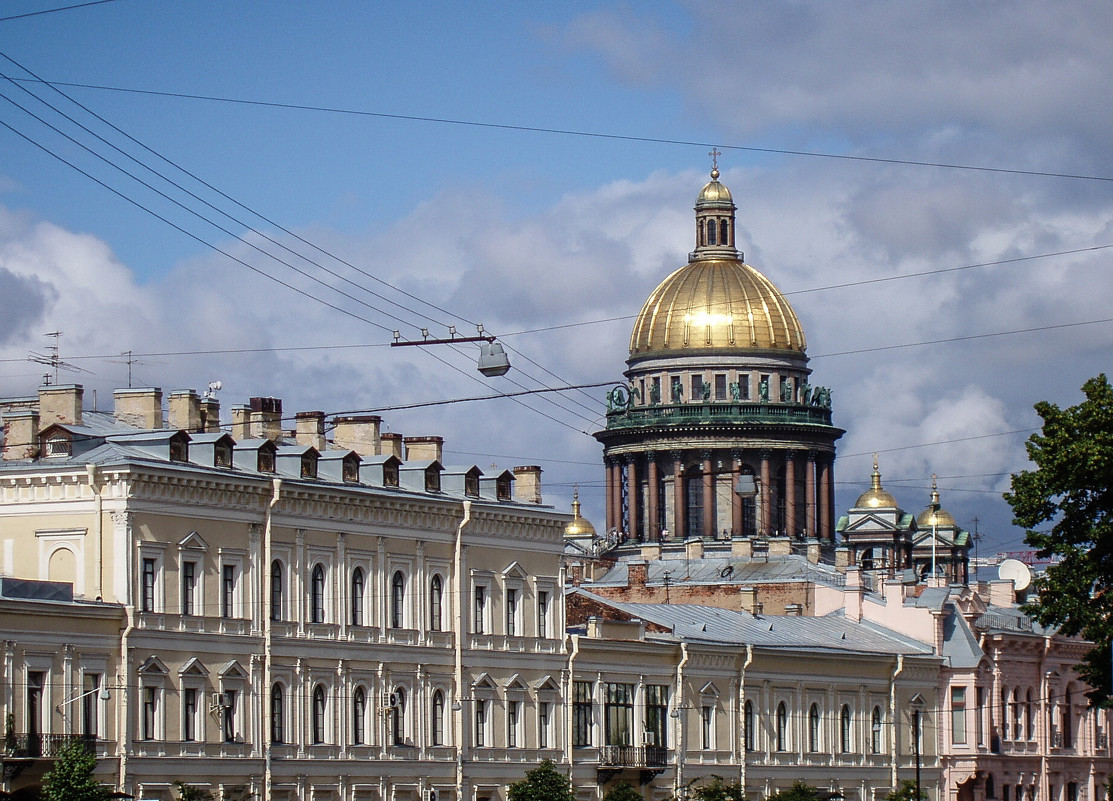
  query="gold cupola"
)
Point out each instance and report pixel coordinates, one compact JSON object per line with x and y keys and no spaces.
{"x":875,"y":497}
{"x":579,"y":526}
{"x":935,"y":515}
{"x":716,"y":301}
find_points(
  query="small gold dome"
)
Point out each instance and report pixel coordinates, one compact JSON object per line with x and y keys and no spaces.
{"x":714,"y":192}
{"x":716,"y":304}
{"x":876,"y":497}
{"x":580,"y":526}
{"x":941,"y":516}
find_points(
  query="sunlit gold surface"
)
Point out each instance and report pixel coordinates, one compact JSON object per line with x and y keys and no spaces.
{"x":943,"y":518}
{"x":713,"y":192}
{"x":716,"y":303}
{"x":579,"y":526}
{"x":876,"y":497}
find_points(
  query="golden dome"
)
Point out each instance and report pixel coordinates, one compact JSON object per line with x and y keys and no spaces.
{"x":875,"y":497}
{"x":714,"y":192}
{"x":716,"y":304}
{"x":942,"y":518}
{"x":580,"y":526}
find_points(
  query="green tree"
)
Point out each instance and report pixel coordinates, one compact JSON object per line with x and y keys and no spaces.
{"x":623,"y":791}
{"x":189,"y":792}
{"x":718,"y":790}
{"x":906,"y":792}
{"x":71,"y":776}
{"x":1071,"y":490}
{"x":798,"y":792}
{"x":543,"y":783}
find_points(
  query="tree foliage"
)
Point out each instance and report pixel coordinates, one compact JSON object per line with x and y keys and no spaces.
{"x":1066,"y":507}
{"x":543,"y":783}
{"x":906,"y":792}
{"x":71,"y":776}
{"x":718,"y":790}
{"x":623,"y":791}
{"x":189,"y":792}
{"x":798,"y":792}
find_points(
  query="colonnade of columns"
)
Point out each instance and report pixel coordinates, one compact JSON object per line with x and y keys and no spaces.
{"x":629,"y":474}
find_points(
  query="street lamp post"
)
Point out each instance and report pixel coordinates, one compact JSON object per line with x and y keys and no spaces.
{"x":917,"y":704}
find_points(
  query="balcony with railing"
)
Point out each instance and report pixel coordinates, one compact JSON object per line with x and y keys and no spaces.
{"x":722,"y":412}
{"x":43,"y":746}
{"x":649,"y":760}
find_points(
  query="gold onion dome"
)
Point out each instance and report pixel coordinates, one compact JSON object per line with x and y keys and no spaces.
{"x":716,"y":301}
{"x":876,"y":497}
{"x":941,"y":516}
{"x":580,"y":526}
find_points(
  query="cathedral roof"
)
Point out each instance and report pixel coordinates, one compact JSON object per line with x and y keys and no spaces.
{"x":876,"y":497}
{"x":579,"y":526}
{"x":935,"y":515}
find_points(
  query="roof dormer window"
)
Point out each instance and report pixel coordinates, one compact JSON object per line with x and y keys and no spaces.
{"x":179,"y":447}
{"x":390,"y":474}
{"x":222,"y":454}
{"x":432,"y":479}
{"x":58,"y":446}
{"x":502,"y":488}
{"x":266,"y":460}
{"x":309,"y":465}
{"x":471,"y":485}
{"x":350,"y":469}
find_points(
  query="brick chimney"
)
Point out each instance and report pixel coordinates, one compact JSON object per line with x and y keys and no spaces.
{"x":359,"y":433}
{"x":310,"y":429}
{"x":748,"y":599}
{"x":527,"y":484}
{"x":140,"y":407}
{"x":637,"y":575}
{"x":391,"y":445}
{"x":241,"y":423}
{"x":60,"y":403}
{"x":210,"y":415}
{"x":422,"y":449}
{"x":183,"y":411}
{"x":21,"y":434}
{"x":266,"y":418}
{"x":577,"y":574}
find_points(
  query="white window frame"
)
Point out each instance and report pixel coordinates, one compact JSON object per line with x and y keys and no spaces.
{"x":235,"y":560}
{"x":154,"y":554}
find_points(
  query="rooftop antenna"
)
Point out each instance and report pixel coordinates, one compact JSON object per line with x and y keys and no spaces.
{"x":214,"y":387}
{"x":129,"y":360}
{"x":53,"y":359}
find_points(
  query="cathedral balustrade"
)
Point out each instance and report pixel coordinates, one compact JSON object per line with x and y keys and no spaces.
{"x":638,"y":416}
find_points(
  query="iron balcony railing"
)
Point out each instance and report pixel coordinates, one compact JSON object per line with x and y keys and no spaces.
{"x":634,"y":756}
{"x":49,"y":746}
{"x":721,"y":412}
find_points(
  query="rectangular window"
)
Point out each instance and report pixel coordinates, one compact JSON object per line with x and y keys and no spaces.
{"x":229,"y":716}
{"x":542,"y":614}
{"x":1004,"y":792}
{"x":480,"y":724}
{"x":90,"y":708}
{"x":697,"y":388}
{"x":511,"y":612}
{"x":744,"y":386}
{"x":513,"y":709}
{"x":958,"y":715}
{"x":782,"y":393}
{"x":656,"y":715}
{"x":618,"y":714}
{"x":148,"y":601}
{"x":150,"y":712}
{"x":189,"y":587}
{"x":979,"y":714}
{"x":655,"y":390}
{"x":544,"y":716}
{"x":228,"y":591}
{"x":480,"y":610}
{"x":581,"y":714}
{"x":720,"y":386}
{"x":189,"y":714}
{"x":707,"y":716}
{"x":35,"y":681}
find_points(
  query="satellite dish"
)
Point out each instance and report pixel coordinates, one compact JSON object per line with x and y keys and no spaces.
{"x":1016,"y":571}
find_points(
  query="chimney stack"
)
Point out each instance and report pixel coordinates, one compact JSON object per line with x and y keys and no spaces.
{"x":140,"y":407}
{"x":183,"y":411}
{"x":60,"y":403}
{"x":359,"y":433}
{"x":423,"y":449}
{"x":241,"y":423}
{"x":266,"y":418}
{"x":21,"y":434}
{"x":527,"y":484}
{"x":310,"y":429}
{"x":391,"y":445}
{"x":210,"y":415}
{"x":637,"y":575}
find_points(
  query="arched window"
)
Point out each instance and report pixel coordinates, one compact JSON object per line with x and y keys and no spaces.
{"x":782,"y":727}
{"x":866,"y":560}
{"x":436,"y":595}
{"x":813,"y":728}
{"x":436,"y":720}
{"x":359,"y":716}
{"x":711,"y":232}
{"x":990,"y":790}
{"x":357,"y":597}
{"x":875,"y":731}
{"x":699,"y":233}
{"x":1068,"y":721}
{"x":398,"y":716}
{"x":276,"y":590}
{"x":748,"y":725}
{"x":397,"y":600}
{"x":317,"y":595}
{"x":278,"y":715}
{"x":318,"y":714}
{"x":844,"y":729}
{"x":1030,"y":716}
{"x":724,"y":232}
{"x":1004,"y":714}
{"x":1018,"y":715}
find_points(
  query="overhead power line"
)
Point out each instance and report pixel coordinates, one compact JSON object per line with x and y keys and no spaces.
{"x":55,"y":10}
{"x":580,"y":133}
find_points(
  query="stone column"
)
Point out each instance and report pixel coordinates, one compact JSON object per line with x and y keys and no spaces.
{"x":652,"y":529}
{"x":708,"y":497}
{"x":614,"y":496}
{"x":809,"y":495}
{"x":679,"y":529}
{"x":825,"y":493}
{"x":632,"y":496}
{"x":766,"y":496}
{"x":735,"y":498}
{"x":790,"y":493}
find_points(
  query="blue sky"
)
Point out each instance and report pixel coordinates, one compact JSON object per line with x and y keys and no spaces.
{"x":524,"y":230}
